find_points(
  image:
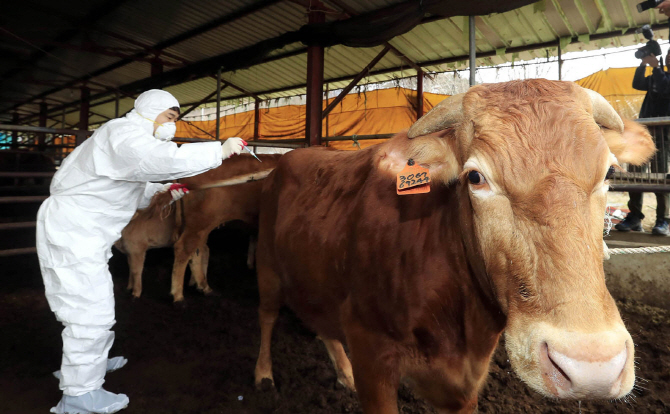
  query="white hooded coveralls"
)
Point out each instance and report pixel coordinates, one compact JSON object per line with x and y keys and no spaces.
{"x":94,"y":194}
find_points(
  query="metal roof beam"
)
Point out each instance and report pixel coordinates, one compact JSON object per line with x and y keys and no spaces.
{"x":351,"y":12}
{"x":92,"y":47}
{"x":492,"y":53}
{"x":243,"y":12}
{"x":232,"y":85}
{"x":626,"y":10}
{"x":355,"y":81}
{"x":585,"y":16}
{"x":564,"y":17}
{"x":607,"y":20}
{"x":197,"y":104}
{"x":90,"y":19}
{"x":518,"y":49}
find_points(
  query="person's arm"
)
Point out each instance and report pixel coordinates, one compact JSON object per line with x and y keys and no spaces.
{"x":132,"y":155}
{"x":639,"y":81}
{"x":661,"y":80}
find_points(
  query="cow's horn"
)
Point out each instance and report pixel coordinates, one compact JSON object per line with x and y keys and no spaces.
{"x":603,"y":113}
{"x":444,"y":115}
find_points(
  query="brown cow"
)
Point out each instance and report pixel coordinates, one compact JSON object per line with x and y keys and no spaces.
{"x":421,"y":286}
{"x":145,"y":231}
{"x":205,"y":210}
{"x":156,"y":227}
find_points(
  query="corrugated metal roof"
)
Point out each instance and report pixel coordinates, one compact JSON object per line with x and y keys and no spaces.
{"x":149,"y":22}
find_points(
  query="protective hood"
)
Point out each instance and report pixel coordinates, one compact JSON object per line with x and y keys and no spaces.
{"x":149,"y":105}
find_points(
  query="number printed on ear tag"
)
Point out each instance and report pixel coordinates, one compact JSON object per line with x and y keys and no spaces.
{"x":413,"y":179}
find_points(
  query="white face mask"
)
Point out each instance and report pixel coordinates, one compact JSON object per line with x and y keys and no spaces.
{"x":166,"y":131}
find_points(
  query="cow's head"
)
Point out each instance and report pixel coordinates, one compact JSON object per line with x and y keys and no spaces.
{"x":531,"y":159}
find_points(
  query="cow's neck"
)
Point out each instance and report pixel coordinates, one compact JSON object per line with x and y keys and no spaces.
{"x":433,"y":255}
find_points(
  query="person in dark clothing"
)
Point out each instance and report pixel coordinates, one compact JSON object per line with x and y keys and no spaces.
{"x":656,"y":104}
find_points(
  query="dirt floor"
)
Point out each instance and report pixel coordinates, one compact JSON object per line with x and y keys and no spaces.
{"x":201,"y":359}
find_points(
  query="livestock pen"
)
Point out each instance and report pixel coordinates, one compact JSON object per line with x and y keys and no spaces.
{"x":355,"y":73}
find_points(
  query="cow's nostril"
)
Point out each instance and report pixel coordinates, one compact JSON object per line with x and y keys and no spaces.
{"x":552,"y":372}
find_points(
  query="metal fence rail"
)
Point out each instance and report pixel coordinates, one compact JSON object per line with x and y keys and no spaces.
{"x":653,"y":176}
{"x":51,"y":142}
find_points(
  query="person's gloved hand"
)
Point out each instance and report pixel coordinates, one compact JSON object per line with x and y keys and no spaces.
{"x":176,"y":190}
{"x":232,"y":146}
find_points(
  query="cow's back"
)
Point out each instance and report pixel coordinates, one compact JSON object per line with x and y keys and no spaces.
{"x":206,"y":209}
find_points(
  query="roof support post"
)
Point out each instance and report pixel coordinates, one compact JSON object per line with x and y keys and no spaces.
{"x":314,"y":105}
{"x":560,"y":61}
{"x":473,"y":50}
{"x":257,"y":119}
{"x":83,"y":113}
{"x":41,"y":136}
{"x":15,"y":134}
{"x":355,"y":81}
{"x":218,"y":104}
{"x":419,"y":94}
{"x":327,"y":120}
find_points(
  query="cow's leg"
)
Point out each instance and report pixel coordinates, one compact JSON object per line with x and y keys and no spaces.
{"x":131,"y":283}
{"x":205,"y":259}
{"x":375,"y":368}
{"x":136,"y":264}
{"x":269,"y":289}
{"x":251,"y":253}
{"x":198,"y":268}
{"x":345,"y":375}
{"x":184,"y":248}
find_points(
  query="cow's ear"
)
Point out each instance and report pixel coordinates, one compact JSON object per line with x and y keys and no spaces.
{"x":438,"y":152}
{"x":634,"y":146}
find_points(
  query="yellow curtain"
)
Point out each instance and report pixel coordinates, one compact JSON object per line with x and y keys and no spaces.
{"x":615,"y":85}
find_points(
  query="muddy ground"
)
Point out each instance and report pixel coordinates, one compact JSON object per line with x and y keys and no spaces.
{"x":201,"y":359}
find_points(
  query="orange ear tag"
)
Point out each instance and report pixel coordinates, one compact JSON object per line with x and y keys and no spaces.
{"x":413,"y":179}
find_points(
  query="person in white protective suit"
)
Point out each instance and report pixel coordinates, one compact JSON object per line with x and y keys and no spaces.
{"x":94,"y":194}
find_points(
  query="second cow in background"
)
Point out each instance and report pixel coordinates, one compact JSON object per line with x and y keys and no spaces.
{"x":187,"y":226}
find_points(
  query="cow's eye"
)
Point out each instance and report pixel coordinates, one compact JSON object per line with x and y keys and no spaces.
{"x":610,"y":173}
{"x":476,"y":178}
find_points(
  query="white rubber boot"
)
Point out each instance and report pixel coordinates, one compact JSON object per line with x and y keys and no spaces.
{"x":98,"y":401}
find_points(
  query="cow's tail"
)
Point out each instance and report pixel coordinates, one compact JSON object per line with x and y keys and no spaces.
{"x":240,"y":179}
{"x":160,"y":205}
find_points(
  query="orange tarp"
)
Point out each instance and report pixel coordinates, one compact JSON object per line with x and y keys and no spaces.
{"x":384,"y":111}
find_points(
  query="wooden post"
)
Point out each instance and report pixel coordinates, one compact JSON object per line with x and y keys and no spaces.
{"x":218,"y":104}
{"x":314,"y":105}
{"x":560,"y":61}
{"x":328,"y":113}
{"x":419,"y":94}
{"x":257,"y":119}
{"x":41,"y":136}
